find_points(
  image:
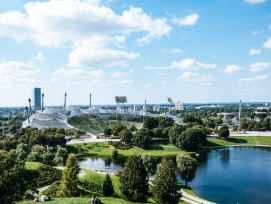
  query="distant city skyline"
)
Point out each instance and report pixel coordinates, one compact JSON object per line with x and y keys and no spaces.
{"x":193,"y":51}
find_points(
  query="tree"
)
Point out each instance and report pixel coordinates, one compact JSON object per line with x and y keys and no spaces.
{"x":126,"y":136}
{"x":142,"y":137}
{"x":150,"y":163}
{"x":165,"y":122}
{"x":69,"y":180}
{"x":174,"y":132}
{"x":117,"y":129}
{"x":108,"y":188}
{"x":191,"y":138}
{"x":165,"y":183}
{"x":107,"y":132}
{"x":13,"y":183}
{"x":134,"y":180}
{"x":150,"y":122}
{"x":187,"y":167}
{"x":224,"y":132}
{"x":61,"y":156}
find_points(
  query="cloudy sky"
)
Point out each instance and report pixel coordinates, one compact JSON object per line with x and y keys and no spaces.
{"x":190,"y":50}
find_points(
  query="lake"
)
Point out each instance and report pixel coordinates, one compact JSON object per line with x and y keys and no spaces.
{"x":230,"y":175}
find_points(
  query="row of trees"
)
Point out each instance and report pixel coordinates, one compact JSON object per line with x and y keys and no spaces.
{"x":263,"y":124}
{"x":134,"y":180}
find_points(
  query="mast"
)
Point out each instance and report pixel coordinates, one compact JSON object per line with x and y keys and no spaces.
{"x":90,"y":100}
{"x":42,"y":102}
{"x":65,"y":99}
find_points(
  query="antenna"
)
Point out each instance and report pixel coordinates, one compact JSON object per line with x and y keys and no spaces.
{"x":26,"y":109}
{"x":29,"y":101}
{"x":65,"y":100}
{"x":90,"y":100}
{"x":240,"y":110}
{"x":42,"y":102}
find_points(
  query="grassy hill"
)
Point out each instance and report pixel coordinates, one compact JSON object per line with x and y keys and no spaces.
{"x":97,"y":125}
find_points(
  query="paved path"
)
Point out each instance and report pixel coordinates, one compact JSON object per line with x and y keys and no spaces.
{"x":249,"y":133}
{"x":77,"y":141}
{"x":193,"y":199}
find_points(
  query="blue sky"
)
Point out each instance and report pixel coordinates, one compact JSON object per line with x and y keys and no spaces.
{"x":190,"y":50}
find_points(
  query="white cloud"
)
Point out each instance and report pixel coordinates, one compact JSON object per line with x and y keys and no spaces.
{"x":148,"y":85}
{"x":257,"y":32}
{"x":131,"y":70}
{"x":99,"y":83}
{"x":173,"y":50}
{"x":202,"y":80}
{"x":254,"y":79}
{"x":231,"y":69}
{"x":267,"y":44}
{"x":163,"y":83}
{"x":39,"y":56}
{"x":186,"y":64}
{"x":189,"y":20}
{"x":161,"y":74}
{"x":254,"y":1}
{"x":16,"y":68}
{"x":254,"y":51}
{"x":78,"y":73}
{"x":259,"y":66}
{"x":120,"y":74}
{"x":95,"y":52}
{"x":85,"y":18}
{"x":18,"y":75}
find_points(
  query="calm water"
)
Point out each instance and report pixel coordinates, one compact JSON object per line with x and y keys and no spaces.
{"x":230,"y":175}
{"x":235,"y":175}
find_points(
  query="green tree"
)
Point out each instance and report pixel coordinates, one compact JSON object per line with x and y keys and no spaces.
{"x":142,"y":137}
{"x":165,"y":122}
{"x":187,"y":167}
{"x":108,"y":188}
{"x":13,"y":183}
{"x":117,"y":129}
{"x":150,"y":163}
{"x":70,"y":180}
{"x":150,"y":122}
{"x":191,"y":138}
{"x":134,"y":180}
{"x":224,"y":132}
{"x":107,"y":132}
{"x":126,"y":136}
{"x":174,"y":132}
{"x":61,"y":156}
{"x":165,"y":183}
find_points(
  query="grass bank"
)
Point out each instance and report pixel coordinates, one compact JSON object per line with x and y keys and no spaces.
{"x":163,"y":148}
{"x":104,"y":149}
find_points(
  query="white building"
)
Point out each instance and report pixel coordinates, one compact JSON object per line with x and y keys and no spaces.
{"x":179,"y":106}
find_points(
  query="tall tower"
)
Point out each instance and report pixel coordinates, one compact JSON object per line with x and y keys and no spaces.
{"x":90,"y":100}
{"x":65,"y":100}
{"x":37,"y":98}
{"x":240,"y":110}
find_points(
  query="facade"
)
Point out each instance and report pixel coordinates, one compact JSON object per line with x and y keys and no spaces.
{"x":37,"y":98}
{"x":179,"y":106}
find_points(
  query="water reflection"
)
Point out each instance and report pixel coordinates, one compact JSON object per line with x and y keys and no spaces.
{"x":228,"y":175}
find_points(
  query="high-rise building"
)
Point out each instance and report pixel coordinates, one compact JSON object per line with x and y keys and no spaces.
{"x":37,"y":98}
{"x":179,"y":106}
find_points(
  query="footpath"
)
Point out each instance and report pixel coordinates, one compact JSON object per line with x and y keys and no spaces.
{"x":192,"y":199}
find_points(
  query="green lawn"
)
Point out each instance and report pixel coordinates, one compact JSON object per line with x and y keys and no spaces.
{"x":240,"y":140}
{"x":33,"y":165}
{"x":82,"y":200}
{"x":103,"y":149}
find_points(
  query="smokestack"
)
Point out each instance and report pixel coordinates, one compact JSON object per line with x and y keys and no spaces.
{"x":65,"y":100}
{"x":42,"y":102}
{"x":29,"y":101}
{"x":90,"y":100}
{"x":240,"y":110}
